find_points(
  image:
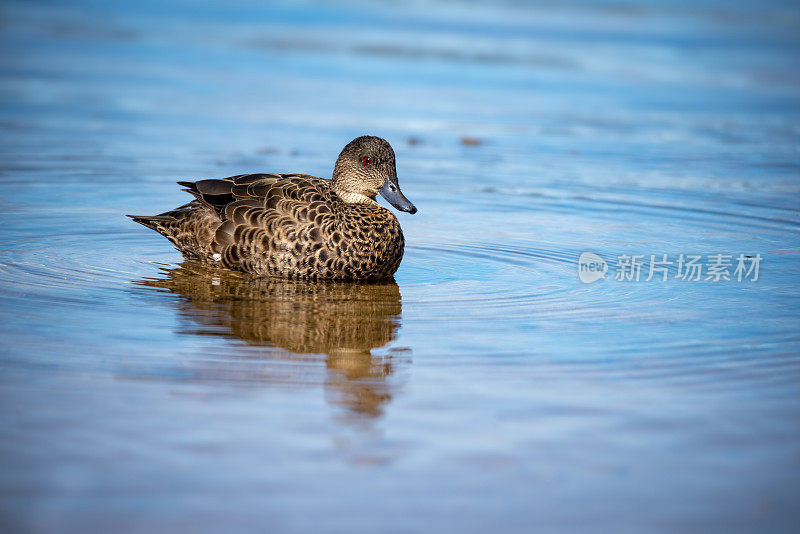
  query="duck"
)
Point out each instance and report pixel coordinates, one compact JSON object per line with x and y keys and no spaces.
{"x":296,"y":226}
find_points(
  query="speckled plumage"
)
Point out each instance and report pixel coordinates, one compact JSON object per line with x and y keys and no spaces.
{"x":296,"y":226}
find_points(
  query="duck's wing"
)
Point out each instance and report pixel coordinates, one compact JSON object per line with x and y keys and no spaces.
{"x":285,"y":209}
{"x":260,"y":189}
{"x":216,"y":193}
{"x":275,"y":202}
{"x":238,"y":219}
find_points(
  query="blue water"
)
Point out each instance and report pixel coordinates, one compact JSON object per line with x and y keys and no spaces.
{"x":489,"y":388}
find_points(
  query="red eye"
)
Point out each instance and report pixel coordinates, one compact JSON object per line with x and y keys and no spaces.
{"x":366,"y":160}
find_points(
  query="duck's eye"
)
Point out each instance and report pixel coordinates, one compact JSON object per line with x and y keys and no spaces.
{"x":366,"y":160}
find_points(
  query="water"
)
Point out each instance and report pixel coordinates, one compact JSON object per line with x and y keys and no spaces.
{"x":488,"y":388}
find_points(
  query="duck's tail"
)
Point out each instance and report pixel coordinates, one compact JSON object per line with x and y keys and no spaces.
{"x":151,"y":222}
{"x":189,"y":228}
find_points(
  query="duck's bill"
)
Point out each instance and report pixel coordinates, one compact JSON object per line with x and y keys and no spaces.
{"x":391,"y":192}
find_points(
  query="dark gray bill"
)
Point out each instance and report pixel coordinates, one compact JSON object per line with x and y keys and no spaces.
{"x":391,"y":192}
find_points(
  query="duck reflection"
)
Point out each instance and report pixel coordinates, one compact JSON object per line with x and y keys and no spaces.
{"x":342,"y":321}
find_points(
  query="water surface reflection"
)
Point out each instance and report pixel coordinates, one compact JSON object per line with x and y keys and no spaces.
{"x":286,"y":322}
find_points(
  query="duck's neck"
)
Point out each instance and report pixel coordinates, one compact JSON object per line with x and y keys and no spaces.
{"x":354,"y":198}
{"x":342,"y":185}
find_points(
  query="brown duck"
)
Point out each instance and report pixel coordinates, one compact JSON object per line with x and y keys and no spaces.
{"x":296,"y":226}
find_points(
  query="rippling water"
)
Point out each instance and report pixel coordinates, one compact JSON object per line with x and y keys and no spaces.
{"x":489,"y":387}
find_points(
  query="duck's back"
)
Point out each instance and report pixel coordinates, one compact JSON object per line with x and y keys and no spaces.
{"x":283,"y":225}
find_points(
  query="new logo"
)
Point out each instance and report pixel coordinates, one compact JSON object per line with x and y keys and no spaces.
{"x":591,"y":267}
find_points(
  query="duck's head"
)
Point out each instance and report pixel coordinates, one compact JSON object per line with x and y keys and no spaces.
{"x":366,"y":168}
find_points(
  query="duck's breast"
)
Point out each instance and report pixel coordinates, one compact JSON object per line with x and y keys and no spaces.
{"x":372,"y":243}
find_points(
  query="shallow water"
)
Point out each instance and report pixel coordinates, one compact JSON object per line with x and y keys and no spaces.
{"x":489,"y":387}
